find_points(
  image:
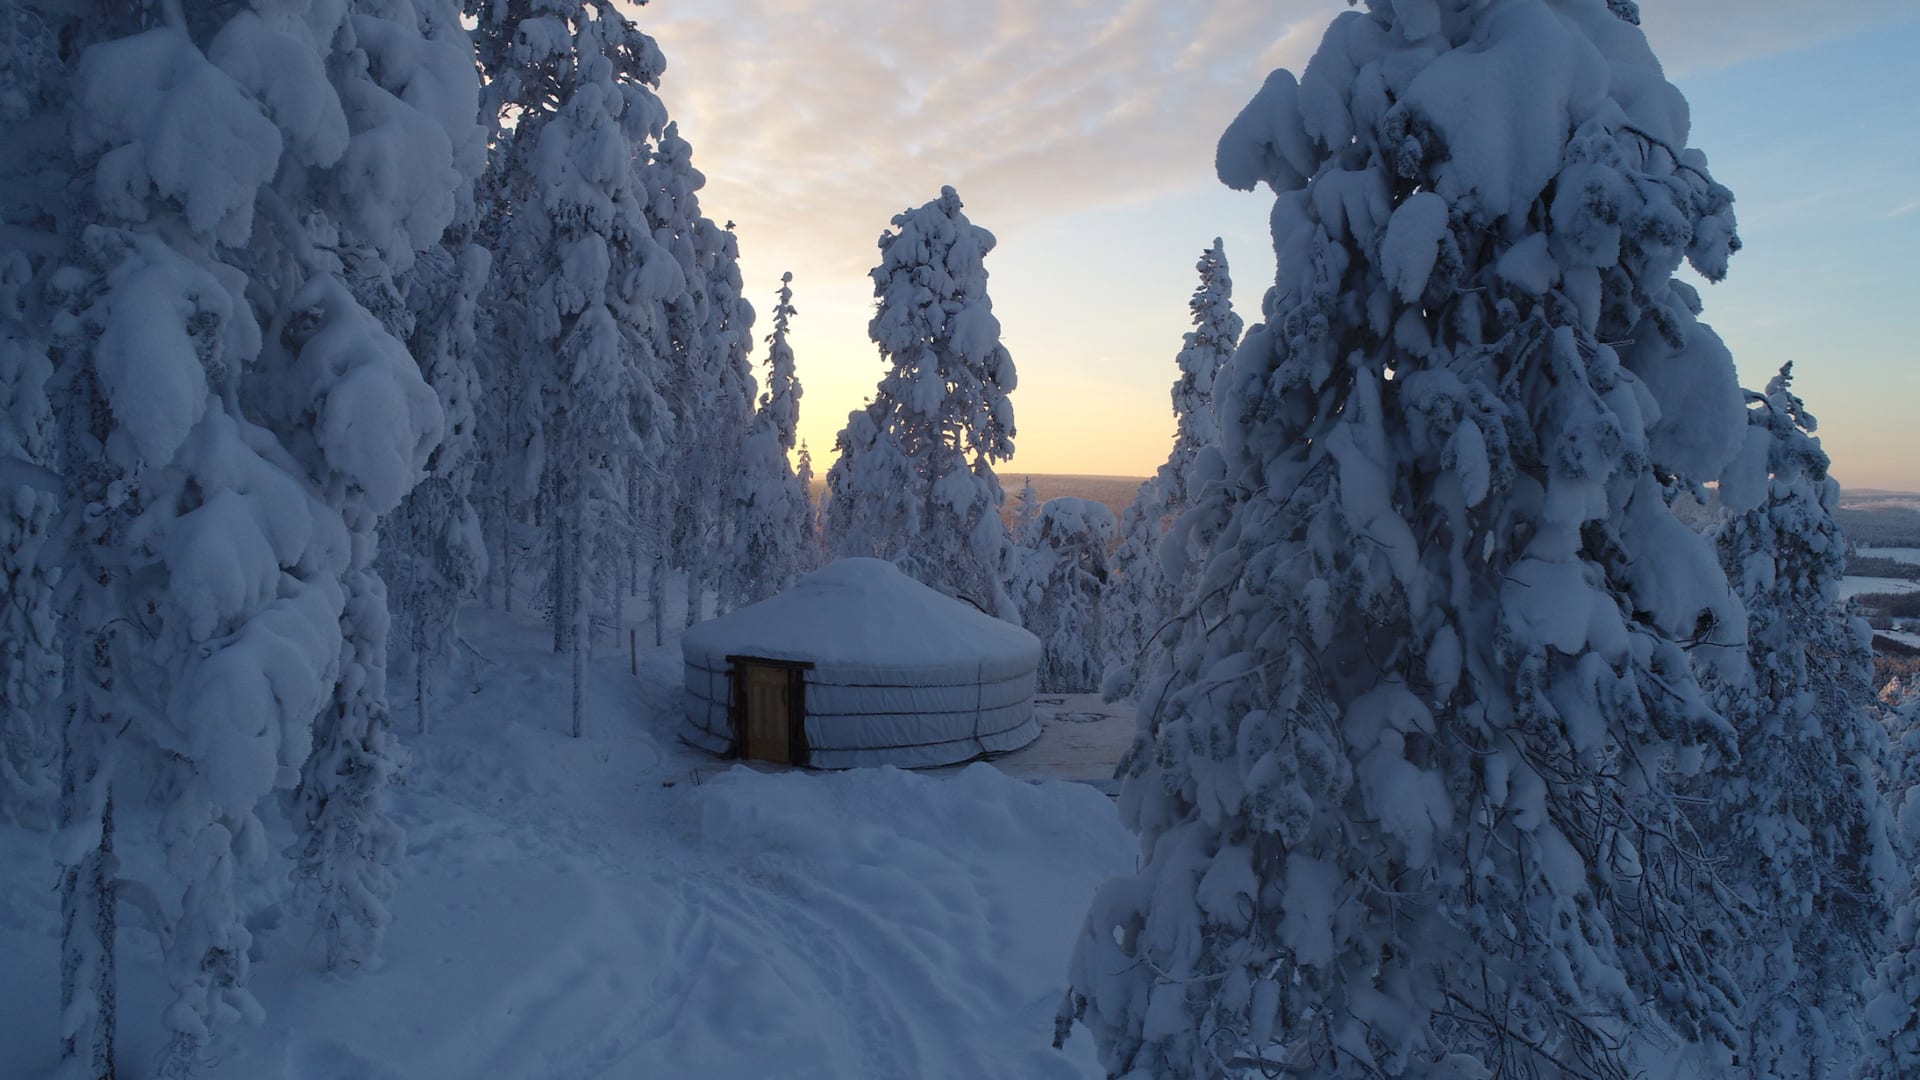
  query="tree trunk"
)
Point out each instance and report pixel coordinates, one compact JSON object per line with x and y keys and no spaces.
{"x":580,"y":638}
{"x":87,"y":916}
{"x":561,"y":586}
{"x":579,"y":609}
{"x":696,"y":584}
{"x":617,"y":600}
{"x":636,"y":497}
{"x":657,"y":598}
{"x":416,"y":624}
{"x":506,"y":552}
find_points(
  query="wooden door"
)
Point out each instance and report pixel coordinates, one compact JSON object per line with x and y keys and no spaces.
{"x":766,"y":712}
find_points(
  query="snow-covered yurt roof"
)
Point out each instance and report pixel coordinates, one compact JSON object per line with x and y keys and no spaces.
{"x":865,"y":613}
{"x":901,"y":674}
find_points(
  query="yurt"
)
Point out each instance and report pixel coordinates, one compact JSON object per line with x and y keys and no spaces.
{"x":859,"y":664}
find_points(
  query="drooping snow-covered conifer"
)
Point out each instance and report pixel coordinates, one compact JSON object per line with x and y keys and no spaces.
{"x":1799,"y":823}
{"x":773,"y":516}
{"x":184,"y":289}
{"x":914,"y":481}
{"x":1060,"y":583}
{"x":1406,"y":790}
{"x":348,"y":398}
{"x":1145,"y":596}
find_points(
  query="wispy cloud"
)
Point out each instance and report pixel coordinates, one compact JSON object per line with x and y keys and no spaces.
{"x":1702,"y":36}
{"x":815,"y":121}
{"x":825,"y":117}
{"x":1903,"y":211}
{"x":831,"y":117}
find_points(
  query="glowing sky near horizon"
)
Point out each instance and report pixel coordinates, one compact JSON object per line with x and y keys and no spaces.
{"x":1081,"y":133}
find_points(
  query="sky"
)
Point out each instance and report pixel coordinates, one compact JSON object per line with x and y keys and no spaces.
{"x":1081,"y":133}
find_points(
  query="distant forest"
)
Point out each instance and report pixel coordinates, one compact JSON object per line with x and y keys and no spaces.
{"x":1880,"y":526}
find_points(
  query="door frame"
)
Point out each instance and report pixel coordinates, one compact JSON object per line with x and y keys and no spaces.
{"x":796,"y":704}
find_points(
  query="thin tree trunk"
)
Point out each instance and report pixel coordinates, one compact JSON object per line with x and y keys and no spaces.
{"x":657,"y":583}
{"x":635,"y":499}
{"x":416,"y":623}
{"x":506,"y":552}
{"x":617,"y":601}
{"x":561,"y":586}
{"x":657,"y":599}
{"x":696,"y":584}
{"x":87,"y":916}
{"x":580,"y":611}
{"x":580,"y":672}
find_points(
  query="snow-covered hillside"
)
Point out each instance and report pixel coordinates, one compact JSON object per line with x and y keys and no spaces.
{"x":623,"y":906}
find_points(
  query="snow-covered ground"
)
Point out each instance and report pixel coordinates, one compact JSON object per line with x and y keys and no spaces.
{"x":1851,"y":587}
{"x":607,"y":907}
{"x":1904,"y":637}
{"x":1897,"y":554}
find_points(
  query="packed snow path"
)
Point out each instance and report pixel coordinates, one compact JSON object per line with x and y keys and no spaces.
{"x":584,"y":908}
{"x":1081,"y":739}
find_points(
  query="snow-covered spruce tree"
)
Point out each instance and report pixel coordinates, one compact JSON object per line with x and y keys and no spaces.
{"x":1891,"y":1021}
{"x":712,"y":566}
{"x":580,"y":250}
{"x":210,"y":558}
{"x":1145,"y":595}
{"x":30,"y":675}
{"x":1025,"y":531}
{"x":1061,"y":584}
{"x":772,"y":516}
{"x":708,"y":386}
{"x":509,"y":455}
{"x":533,"y":58}
{"x":1140,"y":604}
{"x":671,"y":496}
{"x":914,"y":481}
{"x":30,"y":648}
{"x":432,"y":549}
{"x":1028,"y":564}
{"x":340,"y":388}
{"x":872,"y":492}
{"x":1799,"y":823}
{"x":808,"y":546}
{"x":433,"y":553}
{"x":1406,"y":797}
{"x":36,"y":170}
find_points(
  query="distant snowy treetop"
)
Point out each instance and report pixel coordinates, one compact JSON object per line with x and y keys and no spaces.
{"x":1073,"y":515}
